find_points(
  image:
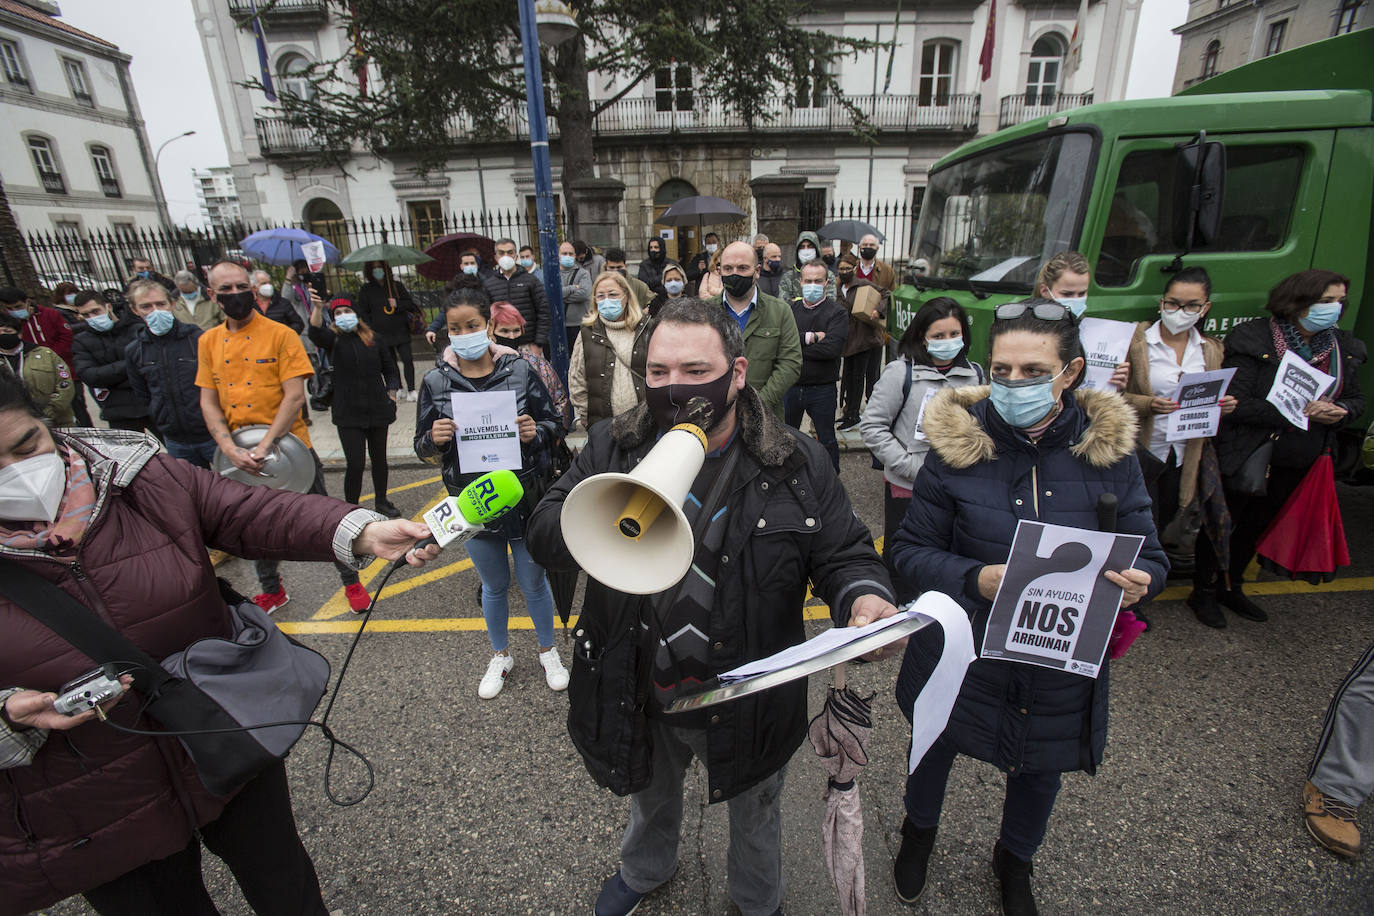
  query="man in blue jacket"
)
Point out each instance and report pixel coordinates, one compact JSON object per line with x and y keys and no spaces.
{"x":781,"y":519}
{"x":161,"y":362}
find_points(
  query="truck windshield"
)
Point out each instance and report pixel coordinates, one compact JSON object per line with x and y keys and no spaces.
{"x":993,"y":219}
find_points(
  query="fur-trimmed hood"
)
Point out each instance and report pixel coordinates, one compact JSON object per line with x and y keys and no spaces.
{"x":959,"y":438}
{"x":763,"y":435}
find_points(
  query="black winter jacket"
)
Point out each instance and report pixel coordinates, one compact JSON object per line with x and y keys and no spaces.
{"x":99,"y":361}
{"x":283,"y":312}
{"x":790,"y":522}
{"x":650,"y":273}
{"x":162,"y":371}
{"x":526,"y":293}
{"x":978,"y":480}
{"x":362,"y":377}
{"x":1250,"y":351}
{"x":511,"y":373}
{"x":821,"y":360}
{"x":393,"y":328}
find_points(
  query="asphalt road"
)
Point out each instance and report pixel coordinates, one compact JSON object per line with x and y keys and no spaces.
{"x":483,"y":807}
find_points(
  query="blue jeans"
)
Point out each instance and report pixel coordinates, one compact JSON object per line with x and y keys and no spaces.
{"x":1025,"y":810}
{"x":489,"y":556}
{"x":198,"y":453}
{"x":818,"y":402}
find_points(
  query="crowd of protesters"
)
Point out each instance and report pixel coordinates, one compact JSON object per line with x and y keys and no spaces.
{"x":771,"y":347}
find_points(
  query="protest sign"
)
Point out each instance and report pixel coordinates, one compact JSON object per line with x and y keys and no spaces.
{"x":1198,"y":397}
{"x":488,"y":438}
{"x":313,"y":252}
{"x":921,"y":415}
{"x":1054,"y":607}
{"x":1105,"y":344}
{"x":1297,"y":384}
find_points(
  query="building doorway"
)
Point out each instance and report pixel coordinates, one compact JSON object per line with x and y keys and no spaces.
{"x":679,"y":242}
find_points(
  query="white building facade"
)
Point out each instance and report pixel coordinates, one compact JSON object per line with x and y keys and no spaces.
{"x":75,"y":157}
{"x":663,"y":141}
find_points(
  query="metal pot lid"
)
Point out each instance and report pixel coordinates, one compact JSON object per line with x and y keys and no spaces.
{"x":289,"y":466}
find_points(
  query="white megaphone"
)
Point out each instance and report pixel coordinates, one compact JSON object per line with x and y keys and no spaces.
{"x":628,"y":531}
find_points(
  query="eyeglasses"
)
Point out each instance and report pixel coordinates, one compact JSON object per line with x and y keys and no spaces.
{"x":1045,"y":311}
{"x":1173,"y":305}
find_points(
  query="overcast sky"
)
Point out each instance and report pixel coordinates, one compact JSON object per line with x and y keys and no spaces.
{"x":173,"y":84}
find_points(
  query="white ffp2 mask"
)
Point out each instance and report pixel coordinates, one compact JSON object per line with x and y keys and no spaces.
{"x":31,"y":490}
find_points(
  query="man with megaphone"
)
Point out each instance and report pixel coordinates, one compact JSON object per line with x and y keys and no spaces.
{"x":700,"y":480}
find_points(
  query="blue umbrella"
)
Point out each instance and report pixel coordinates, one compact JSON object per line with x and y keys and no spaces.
{"x":283,"y":246}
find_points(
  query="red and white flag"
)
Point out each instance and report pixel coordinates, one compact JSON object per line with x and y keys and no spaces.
{"x":1080,"y":26}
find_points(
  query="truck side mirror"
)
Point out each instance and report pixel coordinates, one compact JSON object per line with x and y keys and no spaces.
{"x":1200,"y":186}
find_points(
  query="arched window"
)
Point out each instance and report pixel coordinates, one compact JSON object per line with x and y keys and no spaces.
{"x":678,"y":241}
{"x":1042,"y":75}
{"x":937,"y":72}
{"x":103,"y":163}
{"x":293,"y":76}
{"x":45,"y":163}
{"x":1209,"y":59}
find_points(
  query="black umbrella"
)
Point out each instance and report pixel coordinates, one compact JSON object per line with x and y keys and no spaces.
{"x":849,"y":230}
{"x":700,"y":211}
{"x":563,"y":584}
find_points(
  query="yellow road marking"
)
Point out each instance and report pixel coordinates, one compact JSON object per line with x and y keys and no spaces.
{"x":447,"y":624}
{"x":406,"y":486}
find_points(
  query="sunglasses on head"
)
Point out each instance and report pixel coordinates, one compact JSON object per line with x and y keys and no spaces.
{"x":1045,"y":311}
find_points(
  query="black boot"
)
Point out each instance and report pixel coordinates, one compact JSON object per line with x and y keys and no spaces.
{"x":1014,"y":875}
{"x":909,"y":870}
{"x":1242,"y":606}
{"x":1203,"y":601}
{"x":384,"y":506}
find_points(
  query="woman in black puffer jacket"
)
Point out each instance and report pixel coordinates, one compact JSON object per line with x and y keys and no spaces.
{"x":385,"y":306}
{"x":364,"y":405}
{"x":1029,"y":448}
{"x":98,"y":354}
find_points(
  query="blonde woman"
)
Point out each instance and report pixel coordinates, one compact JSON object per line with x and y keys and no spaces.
{"x":606,"y":375}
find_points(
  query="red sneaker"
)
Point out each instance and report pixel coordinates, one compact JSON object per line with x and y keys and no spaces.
{"x":358,"y":598}
{"x":270,"y":601}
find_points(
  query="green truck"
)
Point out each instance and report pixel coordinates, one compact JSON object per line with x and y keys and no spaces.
{"x":1255,"y":174}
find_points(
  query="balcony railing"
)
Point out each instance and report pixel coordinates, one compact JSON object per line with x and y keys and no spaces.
{"x":1016,"y":110}
{"x":283,"y":11}
{"x":278,"y":136}
{"x":111,"y":187}
{"x":53,"y":183}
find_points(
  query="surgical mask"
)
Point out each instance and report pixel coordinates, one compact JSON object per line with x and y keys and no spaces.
{"x":704,"y":404}
{"x":1178,"y":320}
{"x":711,"y":247}
{"x":21,"y":314}
{"x":100,"y":322}
{"x":378,"y":273}
{"x":192,"y":296}
{"x":868,"y":254}
{"x":470,"y":269}
{"x":347,"y":321}
{"x":70,"y":298}
{"x":1076,"y":306}
{"x":527,"y":263}
{"x":806,"y":255}
{"x":506,"y":262}
{"x":610,"y":309}
{"x":145,"y":274}
{"x":813,"y":292}
{"x":266,"y":290}
{"x":1025,"y":402}
{"x":160,"y":322}
{"x":237,"y":306}
{"x":945,"y":349}
{"x":674,"y":287}
{"x":738,"y":285}
{"x":566,"y":261}
{"x":469,"y":346}
{"x":31,"y":490}
{"x":1321,"y":315}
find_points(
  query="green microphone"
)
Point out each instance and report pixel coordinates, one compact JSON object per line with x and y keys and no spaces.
{"x":486,"y":499}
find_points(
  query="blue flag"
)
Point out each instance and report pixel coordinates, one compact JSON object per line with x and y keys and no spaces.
{"x":267,"y":89}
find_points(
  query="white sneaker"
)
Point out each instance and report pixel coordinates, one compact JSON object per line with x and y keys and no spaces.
{"x":495,"y":678}
{"x":413,"y":396}
{"x":554,"y":672}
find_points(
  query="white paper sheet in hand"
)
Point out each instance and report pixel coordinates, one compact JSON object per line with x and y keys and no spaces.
{"x":488,"y":438}
{"x":1105,"y":343}
{"x":816,"y":646}
{"x":1297,"y":384}
{"x":1198,"y":395}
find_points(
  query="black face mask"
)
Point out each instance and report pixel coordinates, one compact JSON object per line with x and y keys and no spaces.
{"x":8,"y":341}
{"x":512,"y":341}
{"x":828,"y":258}
{"x":237,"y":306}
{"x":655,"y":254}
{"x":845,"y":276}
{"x":773,"y":267}
{"x":759,"y":252}
{"x":868,"y":254}
{"x":738,"y":285}
{"x":704,"y":405}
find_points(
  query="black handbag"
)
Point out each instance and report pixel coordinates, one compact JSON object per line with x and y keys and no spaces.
{"x":1252,"y":477}
{"x":237,"y":704}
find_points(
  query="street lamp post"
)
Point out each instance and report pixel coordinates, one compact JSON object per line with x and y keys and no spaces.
{"x":543,"y":189}
{"x":157,"y":173}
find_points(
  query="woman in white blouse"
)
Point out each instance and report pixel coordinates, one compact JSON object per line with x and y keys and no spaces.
{"x":1161,"y":351}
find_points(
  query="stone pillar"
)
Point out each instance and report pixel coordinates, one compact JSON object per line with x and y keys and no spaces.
{"x":595,"y":211}
{"x":777,"y":201}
